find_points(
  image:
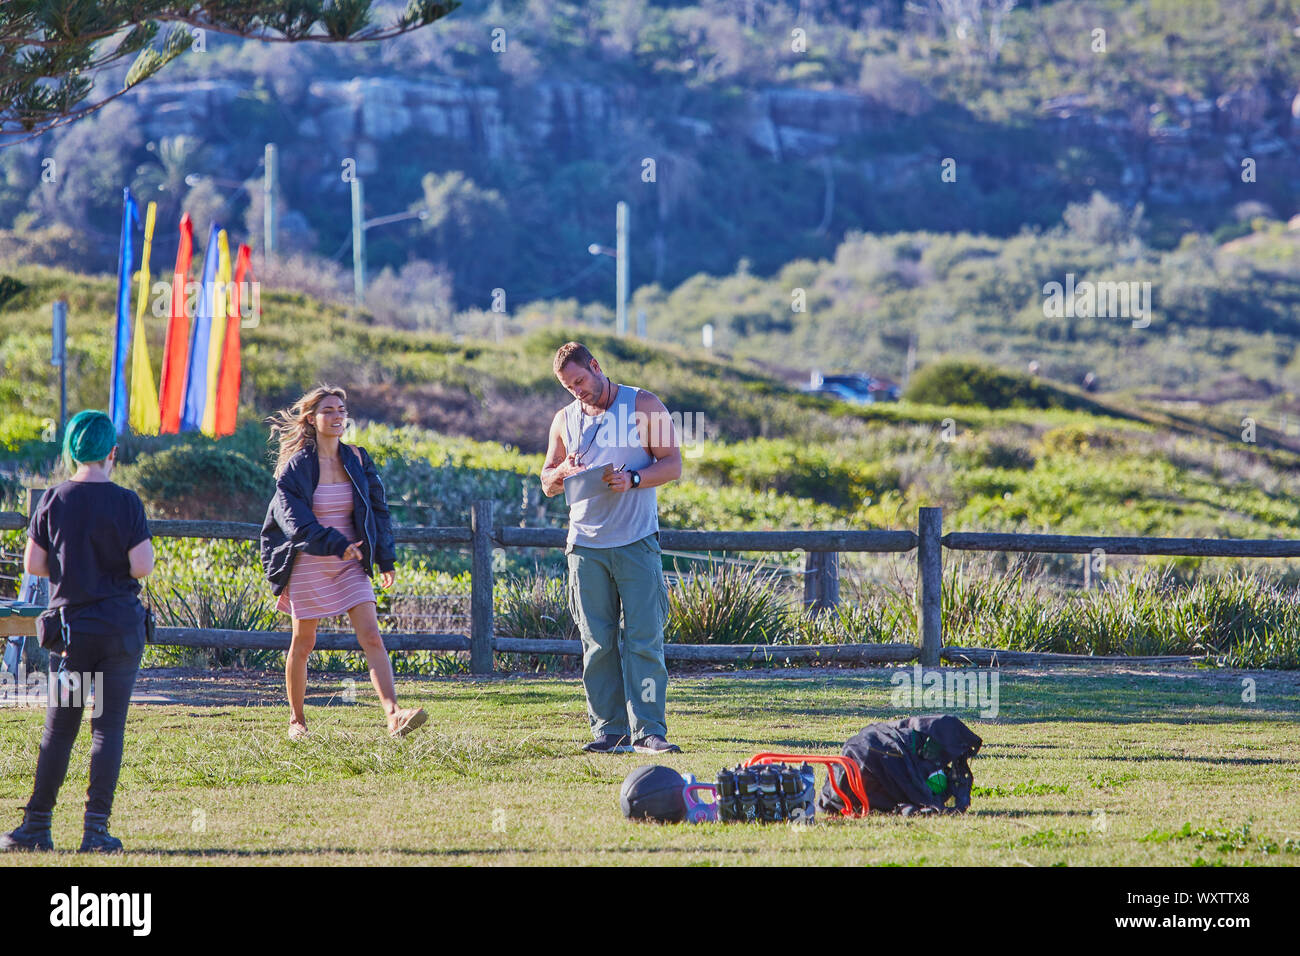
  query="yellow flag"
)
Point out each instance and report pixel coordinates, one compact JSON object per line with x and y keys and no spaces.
{"x":143,"y":413}
{"x":217,"y":340}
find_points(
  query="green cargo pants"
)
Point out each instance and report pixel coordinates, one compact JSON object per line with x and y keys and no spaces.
{"x":623,"y":668}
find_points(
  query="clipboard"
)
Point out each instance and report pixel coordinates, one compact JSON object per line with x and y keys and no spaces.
{"x":587,"y":484}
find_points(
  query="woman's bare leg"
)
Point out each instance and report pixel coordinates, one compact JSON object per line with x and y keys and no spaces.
{"x":366,"y":624}
{"x":295,"y":668}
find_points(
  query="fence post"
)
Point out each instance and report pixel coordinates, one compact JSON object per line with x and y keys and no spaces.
{"x":480,"y":600}
{"x":929,"y":583}
{"x":821,"y":581}
{"x":33,"y":590}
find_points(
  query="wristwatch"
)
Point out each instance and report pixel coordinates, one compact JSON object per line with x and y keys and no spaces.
{"x":636,"y":478}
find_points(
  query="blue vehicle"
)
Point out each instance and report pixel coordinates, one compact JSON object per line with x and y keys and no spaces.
{"x":858,"y":388}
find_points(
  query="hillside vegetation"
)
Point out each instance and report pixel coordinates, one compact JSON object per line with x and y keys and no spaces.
{"x":762,"y":454}
{"x":438,"y":416}
{"x":776,"y":129}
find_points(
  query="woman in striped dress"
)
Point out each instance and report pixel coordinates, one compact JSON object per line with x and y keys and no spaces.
{"x":325,"y":530}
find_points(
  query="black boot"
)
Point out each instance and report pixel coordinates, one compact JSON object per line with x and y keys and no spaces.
{"x":34,"y":834}
{"x":96,"y":838}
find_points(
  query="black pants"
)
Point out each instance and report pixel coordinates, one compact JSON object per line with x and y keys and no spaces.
{"x":115,"y":674}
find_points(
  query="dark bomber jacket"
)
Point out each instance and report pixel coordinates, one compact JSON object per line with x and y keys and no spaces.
{"x":290,"y":525}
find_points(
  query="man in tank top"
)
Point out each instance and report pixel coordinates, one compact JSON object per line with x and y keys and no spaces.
{"x":615,"y":563}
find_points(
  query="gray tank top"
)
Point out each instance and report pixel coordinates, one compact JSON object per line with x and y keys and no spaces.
{"x":615,"y":437}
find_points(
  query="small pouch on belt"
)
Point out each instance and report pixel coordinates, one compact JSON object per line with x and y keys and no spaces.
{"x":52,"y":630}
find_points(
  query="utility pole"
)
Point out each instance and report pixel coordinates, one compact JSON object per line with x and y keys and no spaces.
{"x":271,"y":175}
{"x":621,"y":266}
{"x":59,"y":357}
{"x":910,"y":367}
{"x":358,"y":243}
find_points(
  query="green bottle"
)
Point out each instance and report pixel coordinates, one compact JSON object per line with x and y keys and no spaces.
{"x":937,"y":782}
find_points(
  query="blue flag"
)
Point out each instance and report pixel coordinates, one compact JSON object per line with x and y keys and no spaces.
{"x":118,"y":397}
{"x":196,"y":381}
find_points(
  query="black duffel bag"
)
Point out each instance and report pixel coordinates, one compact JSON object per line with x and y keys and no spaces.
{"x":915,"y":765}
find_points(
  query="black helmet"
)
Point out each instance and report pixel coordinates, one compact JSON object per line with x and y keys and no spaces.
{"x":654,"y":793}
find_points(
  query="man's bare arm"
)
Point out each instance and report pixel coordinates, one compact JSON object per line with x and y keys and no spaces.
{"x":659,"y":436}
{"x":559,"y":463}
{"x":662,"y":442}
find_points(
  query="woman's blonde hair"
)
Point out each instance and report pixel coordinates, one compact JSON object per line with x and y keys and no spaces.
{"x":294,"y":427}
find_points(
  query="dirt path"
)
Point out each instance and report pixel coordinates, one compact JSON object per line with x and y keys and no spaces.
{"x":219,"y":688}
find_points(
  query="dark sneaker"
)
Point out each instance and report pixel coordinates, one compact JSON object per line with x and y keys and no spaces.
{"x":654,"y":744}
{"x":33,"y":834}
{"x":609,"y":744}
{"x":96,"y":838}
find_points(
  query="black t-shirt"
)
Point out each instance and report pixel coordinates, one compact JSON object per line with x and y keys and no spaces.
{"x":87,"y":528}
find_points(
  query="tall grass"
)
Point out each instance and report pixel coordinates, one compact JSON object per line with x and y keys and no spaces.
{"x":222,"y":606}
{"x":889,"y":619}
{"x":729,"y":604}
{"x":534,"y":606}
{"x":1237,"y":619}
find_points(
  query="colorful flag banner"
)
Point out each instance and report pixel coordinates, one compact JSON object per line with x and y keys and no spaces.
{"x":144,"y":397}
{"x":117,"y":394}
{"x":217,"y":339}
{"x":196,"y":376}
{"x":228,"y":384}
{"x":176,"y":348}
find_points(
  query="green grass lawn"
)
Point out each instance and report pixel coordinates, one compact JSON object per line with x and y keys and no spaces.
{"x":1099,"y":767}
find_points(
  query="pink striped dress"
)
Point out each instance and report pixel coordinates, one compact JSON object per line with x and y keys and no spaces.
{"x":323,"y":586}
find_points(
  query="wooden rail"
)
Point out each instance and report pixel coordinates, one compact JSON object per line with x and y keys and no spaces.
{"x":279,"y":640}
{"x":733,"y":653}
{"x":821,"y":584}
{"x":1113,"y":544}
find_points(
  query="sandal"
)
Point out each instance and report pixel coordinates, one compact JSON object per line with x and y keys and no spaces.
{"x":406,"y":721}
{"x":297,"y":731}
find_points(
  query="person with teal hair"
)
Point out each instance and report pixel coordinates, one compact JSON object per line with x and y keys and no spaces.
{"x":89,"y":536}
{"x":90,"y":438}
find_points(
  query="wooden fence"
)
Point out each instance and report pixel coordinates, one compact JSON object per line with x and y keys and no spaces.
{"x":821,"y":586}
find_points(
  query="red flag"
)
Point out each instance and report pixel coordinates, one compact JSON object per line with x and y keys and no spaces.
{"x":176,"y":358}
{"x":228,"y":381}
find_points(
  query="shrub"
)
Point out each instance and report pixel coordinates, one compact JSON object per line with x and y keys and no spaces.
{"x":13,"y":494}
{"x":201,"y":482}
{"x":958,"y":382}
{"x":420,"y":492}
{"x":983,"y":451}
{"x":10,"y":287}
{"x":1075,"y":440}
{"x":1275,"y":649}
{"x":1237,"y":619}
{"x":535,"y":607}
{"x":23,"y":437}
{"x":1102,"y":220}
{"x":886,"y":617}
{"x":728,"y":605}
{"x":692,"y":505}
{"x":836,"y":475}
{"x":220,"y":606}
